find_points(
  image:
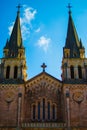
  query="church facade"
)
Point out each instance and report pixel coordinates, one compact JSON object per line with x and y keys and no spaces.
{"x":43,"y":102}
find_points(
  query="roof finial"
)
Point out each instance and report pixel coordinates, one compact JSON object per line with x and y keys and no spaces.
{"x":69,"y":7}
{"x":43,"y":66}
{"x":19,"y":6}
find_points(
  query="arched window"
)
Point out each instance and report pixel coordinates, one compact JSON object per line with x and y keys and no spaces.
{"x":8,"y":72}
{"x":34,"y":112}
{"x":53,"y":109}
{"x":72,"y":72}
{"x":48,"y":110}
{"x":15,"y":72}
{"x":38,"y":110}
{"x":43,"y":109}
{"x":80,"y":72}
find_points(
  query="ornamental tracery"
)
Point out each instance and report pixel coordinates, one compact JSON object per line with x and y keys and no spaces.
{"x":42,"y":88}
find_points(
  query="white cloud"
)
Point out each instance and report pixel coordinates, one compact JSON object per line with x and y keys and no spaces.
{"x":37,"y":30}
{"x":10,"y":28}
{"x":26,"y":22}
{"x":25,"y":32}
{"x":44,"y":42}
{"x":28,"y":15}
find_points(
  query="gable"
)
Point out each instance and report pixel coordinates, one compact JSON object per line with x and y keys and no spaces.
{"x":43,"y":85}
{"x":44,"y":79}
{"x":43,"y":89}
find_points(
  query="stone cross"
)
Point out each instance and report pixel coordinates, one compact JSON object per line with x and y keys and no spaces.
{"x":43,"y":66}
{"x":19,"y":6}
{"x":69,"y":7}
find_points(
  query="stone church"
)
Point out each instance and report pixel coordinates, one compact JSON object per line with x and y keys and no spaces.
{"x":43,"y":102}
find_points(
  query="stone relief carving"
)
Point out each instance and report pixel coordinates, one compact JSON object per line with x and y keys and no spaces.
{"x":78,"y":97}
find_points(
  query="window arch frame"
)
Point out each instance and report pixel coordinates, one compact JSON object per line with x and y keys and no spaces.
{"x":43,"y":110}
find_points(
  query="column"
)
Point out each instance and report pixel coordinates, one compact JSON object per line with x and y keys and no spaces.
{"x":68,"y":73}
{"x":68,"y":109}
{"x":4,"y":71}
{"x":19,"y":109}
{"x":11,"y":72}
{"x":76,"y":72}
{"x":84,"y":72}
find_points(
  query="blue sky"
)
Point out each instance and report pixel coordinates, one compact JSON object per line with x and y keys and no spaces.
{"x":44,"y":28}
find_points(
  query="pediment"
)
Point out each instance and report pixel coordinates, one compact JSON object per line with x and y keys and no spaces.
{"x":43,"y":81}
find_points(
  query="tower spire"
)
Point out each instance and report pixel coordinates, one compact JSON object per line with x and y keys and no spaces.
{"x":14,"y":53}
{"x":72,"y":40}
{"x":15,"y":42}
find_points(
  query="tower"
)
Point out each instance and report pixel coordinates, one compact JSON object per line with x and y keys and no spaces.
{"x":13,"y":63}
{"x":74,"y":68}
{"x":73,"y":63}
{"x":12,"y":77}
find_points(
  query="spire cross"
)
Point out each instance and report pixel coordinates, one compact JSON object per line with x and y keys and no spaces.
{"x":43,"y":66}
{"x":69,"y":7}
{"x":19,"y":6}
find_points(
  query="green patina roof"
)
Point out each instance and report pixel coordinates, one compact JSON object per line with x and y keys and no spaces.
{"x":72,"y":40}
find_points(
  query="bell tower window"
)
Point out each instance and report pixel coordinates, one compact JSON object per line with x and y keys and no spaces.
{"x":72,"y":72}
{"x":15,"y":72}
{"x":7,"y":72}
{"x":79,"y":72}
